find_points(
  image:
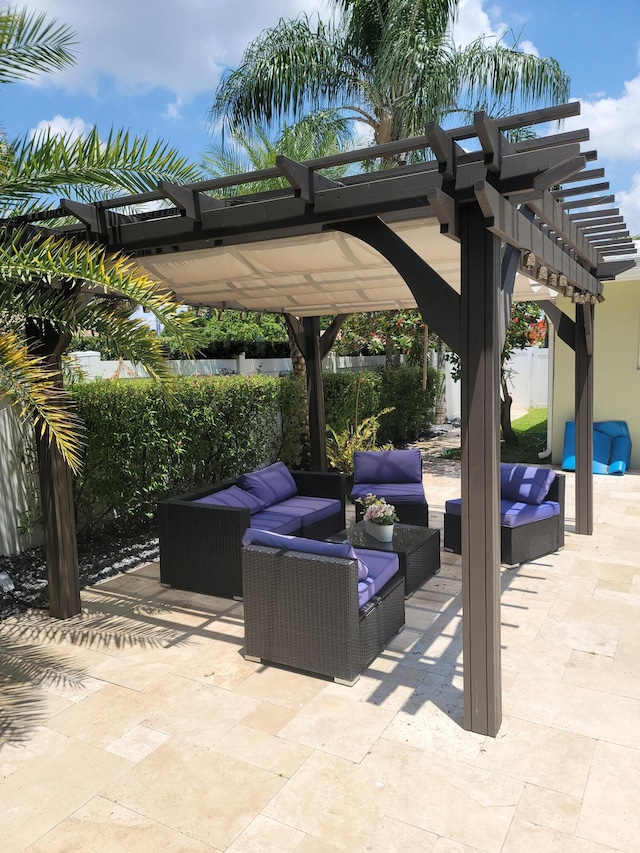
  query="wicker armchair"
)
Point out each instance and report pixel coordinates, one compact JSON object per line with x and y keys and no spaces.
{"x":301,"y":610}
{"x":395,"y":475}
{"x":201,"y":544}
{"x":523,"y":543}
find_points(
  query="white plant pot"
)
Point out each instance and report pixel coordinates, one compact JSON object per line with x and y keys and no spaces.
{"x":381,"y":532}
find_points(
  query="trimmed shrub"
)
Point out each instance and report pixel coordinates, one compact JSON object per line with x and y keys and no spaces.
{"x":147,"y":440}
{"x":413,"y":408}
{"x":397,"y":388}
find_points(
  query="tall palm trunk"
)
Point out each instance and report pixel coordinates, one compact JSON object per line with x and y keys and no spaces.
{"x":56,"y":486}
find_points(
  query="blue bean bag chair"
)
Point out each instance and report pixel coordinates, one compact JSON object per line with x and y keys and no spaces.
{"x":611,"y":447}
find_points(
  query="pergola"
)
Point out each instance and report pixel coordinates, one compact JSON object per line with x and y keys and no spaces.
{"x":459,"y":236}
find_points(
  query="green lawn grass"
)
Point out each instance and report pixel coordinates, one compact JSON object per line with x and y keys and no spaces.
{"x":531,"y":430}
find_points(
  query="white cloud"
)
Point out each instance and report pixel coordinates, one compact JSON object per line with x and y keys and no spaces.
{"x":61,"y":126}
{"x":146,"y":44}
{"x":614,"y":122}
{"x":629,"y":203}
{"x":473,"y":21}
{"x":173,"y":109}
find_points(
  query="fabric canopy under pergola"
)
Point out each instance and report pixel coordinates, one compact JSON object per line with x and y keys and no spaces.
{"x":459,"y":236}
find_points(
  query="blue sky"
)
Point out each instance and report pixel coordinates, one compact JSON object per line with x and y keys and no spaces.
{"x":153,"y":66}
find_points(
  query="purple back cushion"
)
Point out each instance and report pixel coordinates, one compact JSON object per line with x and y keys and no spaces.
{"x":254,"y":536}
{"x":526,"y":483}
{"x":387,"y":466}
{"x":270,"y":485}
{"x":233,"y":496}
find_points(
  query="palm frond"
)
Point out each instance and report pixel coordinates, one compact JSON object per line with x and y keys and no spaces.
{"x":286,"y":70}
{"x":318,"y":134}
{"x":516,"y":79}
{"x":31,"y":386}
{"x":29,"y":262}
{"x":31,"y":44}
{"x":51,"y":164}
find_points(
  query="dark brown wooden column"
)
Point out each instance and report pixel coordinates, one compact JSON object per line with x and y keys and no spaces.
{"x":481,"y":304}
{"x":315,"y":394}
{"x":584,"y":418}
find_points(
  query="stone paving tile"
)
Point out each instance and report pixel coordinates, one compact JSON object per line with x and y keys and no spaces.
{"x":609,"y":813}
{"x":549,"y":809}
{"x":539,"y":755}
{"x":208,"y":796}
{"x":341,"y":726}
{"x":461,"y":802}
{"x":332,"y":799}
{"x":264,"y":835}
{"x":45,"y":790}
{"x":101,"y":826}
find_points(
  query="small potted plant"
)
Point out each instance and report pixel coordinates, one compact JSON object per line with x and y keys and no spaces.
{"x":379,"y":517}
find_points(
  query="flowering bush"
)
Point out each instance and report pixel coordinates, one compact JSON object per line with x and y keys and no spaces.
{"x":378,"y":510}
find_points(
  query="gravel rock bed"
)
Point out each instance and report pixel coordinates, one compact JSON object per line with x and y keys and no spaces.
{"x":98,"y":559}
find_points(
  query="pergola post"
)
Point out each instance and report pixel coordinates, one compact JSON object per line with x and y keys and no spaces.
{"x":481,"y":303}
{"x":315,"y":394}
{"x":584,"y":418}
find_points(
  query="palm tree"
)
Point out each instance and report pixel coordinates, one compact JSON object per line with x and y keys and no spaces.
{"x":390,"y":64}
{"x":52,"y":285}
{"x":317,"y":134}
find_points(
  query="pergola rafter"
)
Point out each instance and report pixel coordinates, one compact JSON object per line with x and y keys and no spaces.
{"x":428,"y":234}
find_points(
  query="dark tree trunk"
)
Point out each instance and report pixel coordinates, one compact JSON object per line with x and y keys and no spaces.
{"x":441,"y":396}
{"x":56,"y":492}
{"x":505,"y":415}
{"x":300,"y":372}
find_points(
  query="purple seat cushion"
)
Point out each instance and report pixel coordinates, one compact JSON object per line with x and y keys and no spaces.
{"x":270,"y":485}
{"x":525,"y":483}
{"x":394,"y":493}
{"x":275,"y":521}
{"x":514,"y":513}
{"x":387,"y":466}
{"x":233,"y":496}
{"x":382,"y":566}
{"x":308,"y":510}
{"x":343,"y":550}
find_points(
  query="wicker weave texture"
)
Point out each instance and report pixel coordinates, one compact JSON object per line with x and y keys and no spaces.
{"x":524,"y":543}
{"x":301,"y":610}
{"x":201,"y":544}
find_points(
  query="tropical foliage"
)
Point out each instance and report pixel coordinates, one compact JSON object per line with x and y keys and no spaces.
{"x":317,"y":134}
{"x":53,"y":286}
{"x":391,"y":65}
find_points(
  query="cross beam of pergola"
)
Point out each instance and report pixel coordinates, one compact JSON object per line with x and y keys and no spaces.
{"x":459,"y":236}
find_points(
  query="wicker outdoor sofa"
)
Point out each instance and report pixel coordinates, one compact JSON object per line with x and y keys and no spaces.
{"x":318,"y":606}
{"x":200,"y":533}
{"x":531,"y":510}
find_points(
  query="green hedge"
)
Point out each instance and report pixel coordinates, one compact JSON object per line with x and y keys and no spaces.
{"x":399,"y":388}
{"x":147,"y":440}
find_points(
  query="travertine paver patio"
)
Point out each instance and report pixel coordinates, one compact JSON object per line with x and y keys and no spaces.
{"x":140,"y":726}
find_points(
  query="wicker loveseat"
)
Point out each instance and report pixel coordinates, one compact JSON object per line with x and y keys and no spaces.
{"x":531,"y":514}
{"x":318,"y":606}
{"x":201,"y":533}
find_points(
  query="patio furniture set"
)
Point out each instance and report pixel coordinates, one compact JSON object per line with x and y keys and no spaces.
{"x":320,"y":596}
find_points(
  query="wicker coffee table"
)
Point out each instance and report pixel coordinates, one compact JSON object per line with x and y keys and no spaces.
{"x":418,"y":549}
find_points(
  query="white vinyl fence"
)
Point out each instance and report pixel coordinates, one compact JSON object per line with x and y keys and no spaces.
{"x":529,"y":384}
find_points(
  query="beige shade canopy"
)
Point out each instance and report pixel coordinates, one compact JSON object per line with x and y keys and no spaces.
{"x":312,"y":274}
